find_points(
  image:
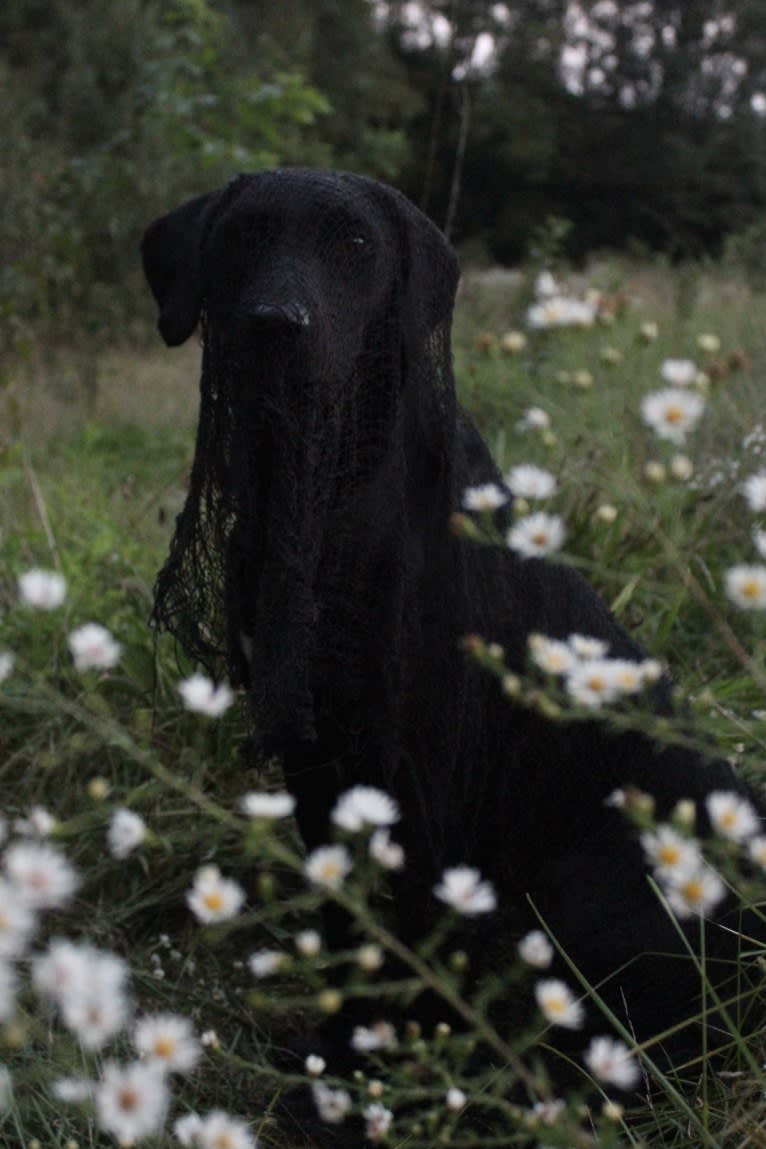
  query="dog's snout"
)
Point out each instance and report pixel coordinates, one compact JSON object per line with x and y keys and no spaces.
{"x":292,"y":315}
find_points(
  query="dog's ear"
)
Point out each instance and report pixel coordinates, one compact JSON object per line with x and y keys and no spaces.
{"x":431,"y":270}
{"x":171,"y":254}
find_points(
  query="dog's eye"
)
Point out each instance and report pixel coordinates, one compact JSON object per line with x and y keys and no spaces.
{"x":359,"y":240}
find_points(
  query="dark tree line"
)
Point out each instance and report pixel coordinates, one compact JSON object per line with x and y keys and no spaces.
{"x":638,"y":121}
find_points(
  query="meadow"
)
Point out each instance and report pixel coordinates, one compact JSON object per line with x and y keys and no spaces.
{"x":201,"y":908}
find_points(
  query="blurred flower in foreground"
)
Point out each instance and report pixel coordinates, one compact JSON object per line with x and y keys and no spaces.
{"x":485,"y":497}
{"x":672,"y":413}
{"x":328,"y":866}
{"x":41,"y":589}
{"x":463,"y":888}
{"x":213,"y":898}
{"x":204,"y":696}
{"x":610,"y":1060}
{"x":536,"y":535}
{"x":558,"y":1004}
{"x":132,"y":1101}
{"x":279,"y":804}
{"x":169,"y":1040}
{"x":678,"y":372}
{"x":754,"y":490}
{"x":746,"y":586}
{"x":93,"y":647}
{"x":127,"y":830}
{"x":363,"y":806}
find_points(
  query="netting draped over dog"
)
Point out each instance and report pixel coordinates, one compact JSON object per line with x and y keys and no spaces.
{"x":324,"y":466}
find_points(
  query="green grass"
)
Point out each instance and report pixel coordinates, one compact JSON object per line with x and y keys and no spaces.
{"x":90,"y":484}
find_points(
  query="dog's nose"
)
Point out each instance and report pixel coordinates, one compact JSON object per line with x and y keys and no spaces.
{"x":292,"y":315}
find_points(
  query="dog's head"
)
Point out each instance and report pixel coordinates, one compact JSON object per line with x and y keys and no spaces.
{"x":308,"y":260}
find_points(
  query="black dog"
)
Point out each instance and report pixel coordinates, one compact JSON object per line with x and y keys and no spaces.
{"x":314,"y":560}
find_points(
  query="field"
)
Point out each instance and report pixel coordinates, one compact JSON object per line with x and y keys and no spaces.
{"x":95,"y":452}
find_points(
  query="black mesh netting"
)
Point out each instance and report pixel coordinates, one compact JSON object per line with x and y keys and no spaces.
{"x":313,"y":563}
{"x":327,"y":420}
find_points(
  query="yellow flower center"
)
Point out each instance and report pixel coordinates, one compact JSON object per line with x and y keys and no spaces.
{"x":213,"y":900}
{"x":674,"y":414}
{"x":669,"y":855}
{"x":693,"y":890}
{"x":751,"y":589}
{"x":164,"y":1047}
{"x":128,"y":1099}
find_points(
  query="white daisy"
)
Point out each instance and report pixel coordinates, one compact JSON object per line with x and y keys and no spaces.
{"x":558,"y":1004}
{"x":73,"y":1090}
{"x":534,"y":419}
{"x":370,"y":1039}
{"x":670,"y":854}
{"x":584,"y":646}
{"x":315,"y":1065}
{"x":186,"y":1129}
{"x":709,"y":343}
{"x":132,"y":1101}
{"x":672,"y":413}
{"x":535,"y":949}
{"x":732,"y":816}
{"x":530,"y":482}
{"x":220,"y":1131}
{"x":560,"y":311}
{"x":593,"y":683}
{"x":363,"y":806}
{"x":126,"y":832}
{"x":39,"y":823}
{"x":678,"y":372}
{"x":536,"y":535}
{"x":455,"y":1099}
{"x":484,"y":497}
{"x":264,"y":963}
{"x":41,"y":874}
{"x":745,"y":586}
{"x":308,"y":943}
{"x":214,"y":898}
{"x":168,"y":1039}
{"x":377,"y":1121}
{"x":754,"y":490}
{"x":388,"y":854}
{"x":95,"y":1007}
{"x":545,"y":285}
{"x":695,"y":892}
{"x":328,"y":866}
{"x":41,"y":589}
{"x":610,"y":1060}
{"x":628,"y":676}
{"x":551,"y":655}
{"x":462,"y":888}
{"x":203,"y":696}
{"x":257,"y":804}
{"x":756,"y":848}
{"x":93,"y":647}
{"x":332,"y":1104}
